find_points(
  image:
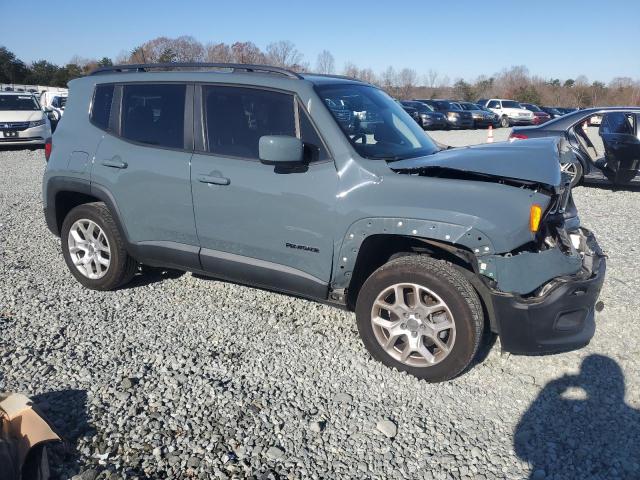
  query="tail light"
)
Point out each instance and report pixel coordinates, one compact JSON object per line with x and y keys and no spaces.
{"x":517,"y":136}
{"x":48,"y":146}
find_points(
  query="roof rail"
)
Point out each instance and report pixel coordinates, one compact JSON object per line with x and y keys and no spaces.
{"x":242,"y":67}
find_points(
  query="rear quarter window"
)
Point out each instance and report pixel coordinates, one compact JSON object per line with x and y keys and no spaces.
{"x":101,"y":107}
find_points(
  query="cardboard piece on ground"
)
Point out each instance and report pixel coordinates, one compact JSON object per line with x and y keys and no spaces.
{"x":21,"y":428}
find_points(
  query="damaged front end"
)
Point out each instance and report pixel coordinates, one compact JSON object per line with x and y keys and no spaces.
{"x":540,"y":295}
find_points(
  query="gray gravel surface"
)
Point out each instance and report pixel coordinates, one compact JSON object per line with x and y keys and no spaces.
{"x":178,"y":376}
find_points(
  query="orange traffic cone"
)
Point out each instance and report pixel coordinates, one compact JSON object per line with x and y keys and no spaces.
{"x":490,"y":134}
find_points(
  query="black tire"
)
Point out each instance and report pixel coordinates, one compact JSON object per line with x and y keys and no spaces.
{"x":122,"y":267}
{"x":577,"y":180}
{"x":504,"y":122}
{"x":451,"y":286}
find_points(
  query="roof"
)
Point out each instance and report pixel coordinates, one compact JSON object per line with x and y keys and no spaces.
{"x":222,"y":69}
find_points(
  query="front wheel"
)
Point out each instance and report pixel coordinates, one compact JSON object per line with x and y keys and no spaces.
{"x":420,"y":316}
{"x":504,"y":122}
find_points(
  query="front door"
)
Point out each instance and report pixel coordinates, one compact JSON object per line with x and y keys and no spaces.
{"x":144,"y":164}
{"x":619,"y":132}
{"x":259,"y":224}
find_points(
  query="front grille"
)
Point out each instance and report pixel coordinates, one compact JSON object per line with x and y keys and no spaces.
{"x":14,"y":125}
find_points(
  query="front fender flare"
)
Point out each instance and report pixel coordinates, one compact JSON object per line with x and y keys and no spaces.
{"x":359,"y":231}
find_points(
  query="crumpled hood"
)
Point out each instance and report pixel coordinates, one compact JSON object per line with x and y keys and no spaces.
{"x":20,"y":115}
{"x":536,"y":160}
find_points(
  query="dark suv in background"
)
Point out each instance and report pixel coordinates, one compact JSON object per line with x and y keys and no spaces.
{"x":455,"y":115}
{"x":429,"y":118}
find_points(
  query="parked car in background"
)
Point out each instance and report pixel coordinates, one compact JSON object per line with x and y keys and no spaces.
{"x":510,"y":112}
{"x":54,"y":104}
{"x":619,"y":133}
{"x":564,"y":110}
{"x":430,"y":119}
{"x":22,"y":120}
{"x":428,"y":245}
{"x":552,"y":111}
{"x":481,"y":118}
{"x":455,"y":115}
{"x":411,"y":111}
{"x":538,"y":115}
{"x":496,"y":118}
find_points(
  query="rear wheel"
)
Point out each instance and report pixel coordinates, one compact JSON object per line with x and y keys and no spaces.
{"x":421,"y":316}
{"x":574,"y":170}
{"x":94,"y":249}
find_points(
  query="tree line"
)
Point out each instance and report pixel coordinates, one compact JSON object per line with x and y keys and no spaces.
{"x":515,"y":82}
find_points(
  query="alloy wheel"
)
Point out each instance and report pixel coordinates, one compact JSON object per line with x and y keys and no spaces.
{"x":413,"y":325}
{"x":89,"y":249}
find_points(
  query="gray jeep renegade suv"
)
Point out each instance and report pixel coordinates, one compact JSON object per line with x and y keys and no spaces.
{"x":324,"y":188}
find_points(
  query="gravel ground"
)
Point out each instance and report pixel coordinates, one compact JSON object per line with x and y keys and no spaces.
{"x":178,"y":376}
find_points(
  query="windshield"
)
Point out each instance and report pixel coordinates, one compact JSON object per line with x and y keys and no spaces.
{"x":532,"y":108}
{"x":374,"y":123}
{"x":510,"y":104}
{"x":444,"y":106}
{"x":18,"y":102}
{"x":470,"y":106}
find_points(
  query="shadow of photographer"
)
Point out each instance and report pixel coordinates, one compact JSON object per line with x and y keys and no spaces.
{"x":580,"y":427}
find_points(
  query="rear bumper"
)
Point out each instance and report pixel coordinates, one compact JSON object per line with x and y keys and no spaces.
{"x":563,"y":319}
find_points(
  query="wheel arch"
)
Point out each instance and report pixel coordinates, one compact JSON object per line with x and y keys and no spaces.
{"x":66,"y":193}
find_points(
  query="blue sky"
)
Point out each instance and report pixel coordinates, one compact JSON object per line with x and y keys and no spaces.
{"x":458,"y":38}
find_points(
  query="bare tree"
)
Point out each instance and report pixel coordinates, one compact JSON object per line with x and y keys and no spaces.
{"x":247,"y":52}
{"x":407,"y":79}
{"x":325,"y":63}
{"x":351,"y":70}
{"x":389,"y":79}
{"x":368,"y":75}
{"x":432,"y":78}
{"x":218,"y":53}
{"x":284,"y":54}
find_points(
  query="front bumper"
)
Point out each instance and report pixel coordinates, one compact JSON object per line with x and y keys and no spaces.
{"x":29,"y":136}
{"x":521,"y":121}
{"x":562,"y":319}
{"x":460,"y":122}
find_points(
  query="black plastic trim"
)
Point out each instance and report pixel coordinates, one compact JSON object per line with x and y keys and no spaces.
{"x":56,"y":185}
{"x":261,"y":273}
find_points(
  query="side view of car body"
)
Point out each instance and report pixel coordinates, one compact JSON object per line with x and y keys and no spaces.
{"x":22,"y":121}
{"x":510,"y":112}
{"x":255,"y":174}
{"x":618,"y":131}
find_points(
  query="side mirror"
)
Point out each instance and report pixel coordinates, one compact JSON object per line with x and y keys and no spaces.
{"x":280,"y":150}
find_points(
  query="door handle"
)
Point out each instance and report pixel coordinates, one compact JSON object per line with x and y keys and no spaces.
{"x":115,"y":162}
{"x":214,"y":180}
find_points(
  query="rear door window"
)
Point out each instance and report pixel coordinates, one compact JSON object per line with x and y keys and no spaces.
{"x":101,"y":106}
{"x":153,"y":114}
{"x":235,"y":118}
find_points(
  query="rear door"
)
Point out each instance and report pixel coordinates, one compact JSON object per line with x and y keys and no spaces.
{"x":143,"y":164}
{"x":260,"y":224}
{"x":619,"y":132}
